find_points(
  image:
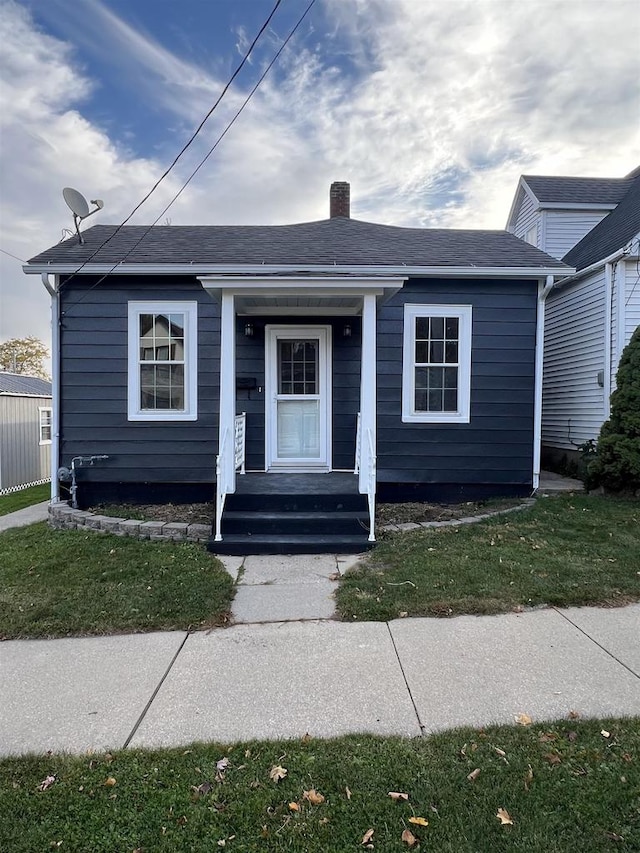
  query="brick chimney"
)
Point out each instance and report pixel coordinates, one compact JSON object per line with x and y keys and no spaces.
{"x":340,"y":199}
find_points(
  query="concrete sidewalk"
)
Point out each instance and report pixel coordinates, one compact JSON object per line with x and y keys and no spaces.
{"x":23,"y":517}
{"x":284,"y":679}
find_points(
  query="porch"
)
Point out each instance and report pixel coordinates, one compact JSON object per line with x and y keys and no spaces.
{"x":282,"y":344}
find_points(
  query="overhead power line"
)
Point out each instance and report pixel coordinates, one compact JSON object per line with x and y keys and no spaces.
{"x":188,"y":143}
{"x":4,"y":252}
{"x":200,"y":164}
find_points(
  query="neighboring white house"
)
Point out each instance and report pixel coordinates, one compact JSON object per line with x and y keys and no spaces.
{"x":25,"y":431}
{"x":593,"y":225}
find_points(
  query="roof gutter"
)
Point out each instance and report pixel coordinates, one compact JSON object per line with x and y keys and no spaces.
{"x":55,"y":383}
{"x":279,"y":269}
{"x":615,"y":256}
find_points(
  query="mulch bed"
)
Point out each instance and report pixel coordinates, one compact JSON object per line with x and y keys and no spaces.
{"x":392,"y":513}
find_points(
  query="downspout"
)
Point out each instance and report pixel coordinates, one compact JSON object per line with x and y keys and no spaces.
{"x":609,"y":275}
{"x":55,"y":382}
{"x":543,"y":292}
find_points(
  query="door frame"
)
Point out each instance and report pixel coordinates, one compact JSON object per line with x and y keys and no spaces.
{"x":273,"y":333}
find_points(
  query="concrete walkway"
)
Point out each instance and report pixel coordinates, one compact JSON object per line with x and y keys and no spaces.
{"x":284,"y":679}
{"x":285,"y":588}
{"x":23,"y":517}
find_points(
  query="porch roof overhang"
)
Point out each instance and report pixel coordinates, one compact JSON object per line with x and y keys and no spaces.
{"x":340,"y":295}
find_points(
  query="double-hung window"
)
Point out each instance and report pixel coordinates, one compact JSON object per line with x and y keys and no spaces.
{"x":436,"y":369}
{"x":45,"y":424}
{"x":163,"y":361}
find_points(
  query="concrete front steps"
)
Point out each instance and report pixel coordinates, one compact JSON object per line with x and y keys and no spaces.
{"x":308,"y":515}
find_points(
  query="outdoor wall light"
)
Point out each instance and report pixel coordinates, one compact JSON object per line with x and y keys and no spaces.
{"x":346,"y":330}
{"x":248,"y":330}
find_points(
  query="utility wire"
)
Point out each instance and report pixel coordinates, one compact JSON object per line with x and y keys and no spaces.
{"x":4,"y":252}
{"x":187,"y":143}
{"x":200,"y":164}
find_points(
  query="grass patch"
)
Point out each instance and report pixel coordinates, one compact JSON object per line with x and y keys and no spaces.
{"x":565,"y":786}
{"x":57,"y":583}
{"x":564,"y":551}
{"x":25,"y":497}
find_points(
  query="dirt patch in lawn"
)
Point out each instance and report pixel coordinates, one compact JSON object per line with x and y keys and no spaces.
{"x":392,"y":513}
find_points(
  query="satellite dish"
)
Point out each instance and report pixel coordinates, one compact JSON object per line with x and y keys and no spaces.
{"x":79,"y":207}
{"x":76,"y":201}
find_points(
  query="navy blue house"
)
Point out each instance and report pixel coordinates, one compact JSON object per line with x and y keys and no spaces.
{"x":297,"y":372}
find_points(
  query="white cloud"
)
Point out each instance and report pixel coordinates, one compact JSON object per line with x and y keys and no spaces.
{"x":442,"y":106}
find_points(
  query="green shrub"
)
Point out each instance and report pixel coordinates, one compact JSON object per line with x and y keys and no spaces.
{"x":617,"y":461}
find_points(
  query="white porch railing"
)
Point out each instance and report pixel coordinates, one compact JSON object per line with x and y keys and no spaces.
{"x":366,"y":462}
{"x":239,"y":444}
{"x":356,"y":469}
{"x":222,"y":471}
{"x":371,"y":486}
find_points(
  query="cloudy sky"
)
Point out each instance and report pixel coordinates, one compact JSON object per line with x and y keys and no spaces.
{"x":430,"y":108}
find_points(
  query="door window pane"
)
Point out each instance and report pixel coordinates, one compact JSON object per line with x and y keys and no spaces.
{"x":298,"y":429}
{"x":298,"y":367}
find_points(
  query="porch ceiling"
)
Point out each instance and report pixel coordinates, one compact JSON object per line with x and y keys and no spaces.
{"x":341,"y":295}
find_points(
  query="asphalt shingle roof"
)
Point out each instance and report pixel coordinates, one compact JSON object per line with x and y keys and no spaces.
{"x":557,"y":190}
{"x":611,"y":233}
{"x":338,"y":241}
{"x":16,"y":383}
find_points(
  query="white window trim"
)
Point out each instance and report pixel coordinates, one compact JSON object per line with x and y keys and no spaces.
{"x":463,"y":414}
{"x":42,"y":409}
{"x":190,"y":311}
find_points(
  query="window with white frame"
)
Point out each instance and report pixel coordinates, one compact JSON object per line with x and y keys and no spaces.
{"x":45,"y":424}
{"x":163,"y":361}
{"x":436,"y":364}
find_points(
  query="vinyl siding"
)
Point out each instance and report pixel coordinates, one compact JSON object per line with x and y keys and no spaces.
{"x":496,"y":446}
{"x":22,"y":458}
{"x":573,"y":401}
{"x":632,"y":298}
{"x":528,"y":216}
{"x":565,"y":228}
{"x":94,"y":386}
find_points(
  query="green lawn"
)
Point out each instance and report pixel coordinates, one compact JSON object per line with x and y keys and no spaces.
{"x":565,"y":786}
{"x":56,"y":583}
{"x":564,"y":551}
{"x":25,"y":497}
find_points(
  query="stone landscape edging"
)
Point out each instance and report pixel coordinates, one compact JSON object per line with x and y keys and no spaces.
{"x":64,"y":517}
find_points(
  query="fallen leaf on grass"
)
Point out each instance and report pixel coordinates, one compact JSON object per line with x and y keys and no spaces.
{"x":396,"y":796}
{"x":419,"y":821}
{"x":572,"y":736}
{"x":306,"y":737}
{"x":366,"y":838}
{"x":605,"y":733}
{"x":294,"y":807}
{"x":313,"y":797}
{"x":46,"y":783}
{"x":222,"y":765}
{"x":473,"y":775}
{"x":348,"y":793}
{"x":277,"y":773}
{"x":574,"y":715}
{"x":504,"y":817}
{"x":613,"y":836}
{"x":553,"y":758}
{"x":548,"y":737}
{"x":201,"y":790}
{"x":409,"y":838}
{"x":528,"y":779}
{"x":109,"y":782}
{"x":523,"y":720}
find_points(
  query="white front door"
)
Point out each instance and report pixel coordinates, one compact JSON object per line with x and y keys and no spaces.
{"x":298,"y":398}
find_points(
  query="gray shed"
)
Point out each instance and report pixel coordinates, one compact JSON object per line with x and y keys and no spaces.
{"x":25,"y":431}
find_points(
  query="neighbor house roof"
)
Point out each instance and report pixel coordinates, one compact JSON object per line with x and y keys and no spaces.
{"x":550,"y":189}
{"x":28,"y":386}
{"x":611,"y":233}
{"x":339,"y":241}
